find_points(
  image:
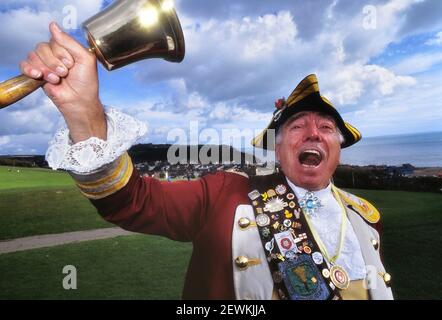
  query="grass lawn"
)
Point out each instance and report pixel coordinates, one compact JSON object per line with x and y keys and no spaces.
{"x":131,"y":267}
{"x":42,"y":201}
{"x":17,"y":177}
{"x":411,"y":241}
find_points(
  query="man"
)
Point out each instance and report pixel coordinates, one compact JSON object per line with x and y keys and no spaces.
{"x":291,"y":235}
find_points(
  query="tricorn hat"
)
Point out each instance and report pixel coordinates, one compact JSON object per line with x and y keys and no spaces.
{"x":306,"y":97}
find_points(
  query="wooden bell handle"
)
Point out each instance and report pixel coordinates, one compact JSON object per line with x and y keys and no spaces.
{"x":17,"y":88}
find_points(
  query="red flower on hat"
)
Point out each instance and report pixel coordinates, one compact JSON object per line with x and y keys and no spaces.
{"x":280,"y":103}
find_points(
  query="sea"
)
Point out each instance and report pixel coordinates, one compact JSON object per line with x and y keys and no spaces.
{"x":419,"y":150}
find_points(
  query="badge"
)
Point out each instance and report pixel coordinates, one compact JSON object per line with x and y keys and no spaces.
{"x":297,"y":214}
{"x":275,"y":205}
{"x":265,"y":232}
{"x":271,"y":193}
{"x":275,"y":225}
{"x":280,"y":189}
{"x":307,"y":249}
{"x":339,"y":277}
{"x":297,"y":225}
{"x":285,"y":242}
{"x":270,"y":245}
{"x":275,"y":216}
{"x":292,"y":204}
{"x":310,"y":204}
{"x":255,"y":203}
{"x":262,"y":220}
{"x":325,"y":273}
{"x":254,"y":195}
{"x":290,"y":254}
{"x":290,"y":196}
{"x":259,"y":210}
{"x":288,"y":214}
{"x":302,"y":279}
{"x":287,"y":223}
{"x":318,"y":258}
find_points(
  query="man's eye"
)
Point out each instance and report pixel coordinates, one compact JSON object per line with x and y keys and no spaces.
{"x":327,"y":127}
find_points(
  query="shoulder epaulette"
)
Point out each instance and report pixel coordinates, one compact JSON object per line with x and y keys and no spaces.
{"x":365,"y":209}
{"x":241,"y":173}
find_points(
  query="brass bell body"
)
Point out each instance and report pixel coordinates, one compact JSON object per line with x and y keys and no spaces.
{"x":132,"y":30}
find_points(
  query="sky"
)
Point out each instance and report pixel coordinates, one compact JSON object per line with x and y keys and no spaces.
{"x":379,"y":62}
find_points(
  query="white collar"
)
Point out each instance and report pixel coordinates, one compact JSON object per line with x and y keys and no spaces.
{"x":300,"y":192}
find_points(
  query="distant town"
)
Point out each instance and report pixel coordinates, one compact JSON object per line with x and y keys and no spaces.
{"x":151,"y":160}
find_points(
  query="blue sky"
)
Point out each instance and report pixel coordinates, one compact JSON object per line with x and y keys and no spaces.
{"x":379,"y":62}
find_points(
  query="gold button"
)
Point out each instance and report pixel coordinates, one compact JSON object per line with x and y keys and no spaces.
{"x":242,"y":262}
{"x":375,"y":244}
{"x":245,"y":223}
{"x":387,"y":278}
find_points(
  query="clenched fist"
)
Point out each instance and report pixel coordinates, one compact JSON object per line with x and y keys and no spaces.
{"x":72,"y":83}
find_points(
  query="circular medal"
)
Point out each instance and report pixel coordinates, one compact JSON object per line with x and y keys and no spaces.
{"x":287,"y":223}
{"x":318,"y":258}
{"x":325,"y":273}
{"x":290,"y":254}
{"x":290,"y":196}
{"x":286,"y":243}
{"x":339,"y":277}
{"x":307,"y":249}
{"x":292,"y":204}
{"x":262,"y":220}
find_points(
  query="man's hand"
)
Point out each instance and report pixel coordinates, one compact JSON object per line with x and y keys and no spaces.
{"x":72,"y":83}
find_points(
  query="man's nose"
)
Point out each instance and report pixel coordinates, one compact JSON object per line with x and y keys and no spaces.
{"x":312,"y":133}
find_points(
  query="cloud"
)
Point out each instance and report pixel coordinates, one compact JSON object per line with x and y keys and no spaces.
{"x":436,"y":41}
{"x":418,"y":63}
{"x":22,"y":27}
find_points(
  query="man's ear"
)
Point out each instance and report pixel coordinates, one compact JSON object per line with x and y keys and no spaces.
{"x":277,"y":152}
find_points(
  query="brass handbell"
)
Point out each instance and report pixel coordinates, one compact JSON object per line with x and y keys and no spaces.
{"x":125,"y":32}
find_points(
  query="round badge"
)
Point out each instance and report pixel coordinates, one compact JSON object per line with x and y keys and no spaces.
{"x":269,"y":246}
{"x":292,"y":204}
{"x":262,"y":220}
{"x":317,"y":257}
{"x":280,"y":189}
{"x":339,"y":277}
{"x":286,"y":243}
{"x":290,"y":254}
{"x":307,"y":249}
{"x":325,"y":273}
{"x":287,"y":223}
{"x":290,"y":196}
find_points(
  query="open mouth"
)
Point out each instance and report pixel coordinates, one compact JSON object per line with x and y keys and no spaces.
{"x":310,"y":158}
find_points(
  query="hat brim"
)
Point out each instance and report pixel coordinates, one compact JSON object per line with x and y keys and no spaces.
{"x":313,"y":102}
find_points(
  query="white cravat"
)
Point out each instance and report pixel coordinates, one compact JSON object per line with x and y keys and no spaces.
{"x":327,"y":223}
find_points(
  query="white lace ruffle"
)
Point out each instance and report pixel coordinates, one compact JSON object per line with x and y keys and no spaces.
{"x":87,"y":156}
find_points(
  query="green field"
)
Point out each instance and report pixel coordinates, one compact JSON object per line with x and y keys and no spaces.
{"x":149,"y":267}
{"x":131,"y":267}
{"x":39,"y":201}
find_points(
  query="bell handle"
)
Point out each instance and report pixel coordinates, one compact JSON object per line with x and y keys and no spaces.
{"x":17,"y":88}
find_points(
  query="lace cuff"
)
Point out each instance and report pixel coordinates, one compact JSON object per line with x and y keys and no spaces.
{"x":86,"y":157}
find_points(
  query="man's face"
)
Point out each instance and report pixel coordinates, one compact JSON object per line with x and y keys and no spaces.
{"x":309,"y":149}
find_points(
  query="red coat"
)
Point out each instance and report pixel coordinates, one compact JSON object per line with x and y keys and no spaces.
{"x":201,"y":211}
